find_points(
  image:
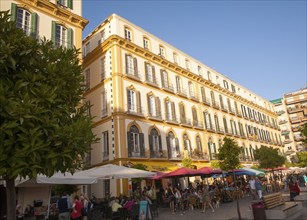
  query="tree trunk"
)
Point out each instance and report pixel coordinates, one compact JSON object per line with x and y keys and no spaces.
{"x":238,"y":197}
{"x":10,"y":199}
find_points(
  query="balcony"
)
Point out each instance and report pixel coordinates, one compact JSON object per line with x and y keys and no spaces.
{"x":220,"y":130}
{"x":171,"y":120}
{"x":153,"y":81}
{"x":295,"y":120}
{"x":284,"y":132}
{"x":198,"y":124}
{"x":206,"y":101}
{"x":210,"y":128}
{"x":186,"y":122}
{"x":283,"y":121}
{"x":280,"y":112}
{"x":298,"y":138}
{"x":215,"y":104}
{"x":232,"y":111}
{"x":224,"y":108}
{"x":167,"y":87}
{"x":182,"y":92}
{"x":194,"y":96}
{"x":135,"y":110}
{"x":239,"y":114}
{"x":154,"y":116}
{"x":130,"y":73}
{"x":287,"y":141}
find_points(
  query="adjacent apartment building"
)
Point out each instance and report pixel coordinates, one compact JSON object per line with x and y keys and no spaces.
{"x":292,"y":114}
{"x":57,"y":20}
{"x":155,"y":105}
{"x":60,"y":21}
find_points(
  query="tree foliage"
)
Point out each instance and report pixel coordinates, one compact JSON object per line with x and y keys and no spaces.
{"x":268,"y":157}
{"x":187,"y":162}
{"x":44,"y":126}
{"x":304,"y":134}
{"x":302,"y":159}
{"x":229,"y":155}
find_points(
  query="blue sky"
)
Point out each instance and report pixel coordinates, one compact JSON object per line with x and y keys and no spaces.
{"x":258,"y":44}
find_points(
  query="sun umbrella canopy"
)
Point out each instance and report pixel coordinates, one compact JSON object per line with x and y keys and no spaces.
{"x":181,"y":172}
{"x":257,"y":172}
{"x":242,"y":172}
{"x":208,"y":171}
{"x":111,"y":171}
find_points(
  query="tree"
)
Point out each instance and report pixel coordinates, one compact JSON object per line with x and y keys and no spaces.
{"x":187,"y":162}
{"x":229,"y":160}
{"x":44,"y":126}
{"x":302,"y":159}
{"x":304,"y":134}
{"x":269,"y":157}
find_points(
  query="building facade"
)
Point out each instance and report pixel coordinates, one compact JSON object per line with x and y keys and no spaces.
{"x":292,"y":114}
{"x":155,"y":105}
{"x":57,"y":20}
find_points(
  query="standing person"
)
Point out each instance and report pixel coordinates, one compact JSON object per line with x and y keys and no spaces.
{"x":76,"y":209}
{"x":171,"y":196}
{"x":252,"y":187}
{"x":206,"y":199}
{"x":294,"y":189}
{"x":258,"y":186}
{"x":86,"y":206}
{"x":64,"y":207}
{"x":285,"y":181}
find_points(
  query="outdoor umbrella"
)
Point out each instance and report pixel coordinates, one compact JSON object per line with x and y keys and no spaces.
{"x":181,"y":172}
{"x":242,"y":172}
{"x":258,"y":172}
{"x":208,"y":171}
{"x":111,"y":171}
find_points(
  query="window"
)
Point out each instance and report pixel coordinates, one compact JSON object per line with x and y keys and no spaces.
{"x":162,"y":51}
{"x":217,"y":80}
{"x":135,"y":142}
{"x":225,"y":84}
{"x":155,"y":144}
{"x":103,"y":68}
{"x":61,"y":35}
{"x":199,"y":147}
{"x":87,"y":48}
{"x":212,"y":150}
{"x":217,"y":124}
{"x":131,"y":66}
{"x":150,"y":73}
{"x":154,"y":108}
{"x":128,"y":35}
{"x":187,"y":145}
{"x":104,"y":104}
{"x":194,"y":115}
{"x":66,"y":3}
{"x":170,"y":110}
{"x":188,"y":64}
{"x":207,"y":120}
{"x":222,"y":102}
{"x":233,"y":88}
{"x":105,"y":144}
{"x":200,"y":71}
{"x":225,"y":125}
{"x":172,"y":146}
{"x":133,"y":101}
{"x":164,"y":79}
{"x":87,"y":79}
{"x":146,"y":43}
{"x":209,"y":76}
{"x":176,"y":59}
{"x":25,"y":20}
{"x":178,"y":83}
{"x":102,"y":35}
{"x":182,"y":113}
{"x":192,"y":90}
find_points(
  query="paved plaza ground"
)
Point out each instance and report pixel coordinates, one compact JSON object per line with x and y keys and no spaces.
{"x":228,"y":211}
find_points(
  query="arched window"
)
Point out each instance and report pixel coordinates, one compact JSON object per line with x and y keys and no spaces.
{"x":155,"y":145}
{"x":199,"y":148}
{"x":172,"y":146}
{"x":135,"y":142}
{"x":187,"y":145}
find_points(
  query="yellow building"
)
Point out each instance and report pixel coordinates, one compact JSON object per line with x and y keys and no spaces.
{"x":57,"y":20}
{"x":155,"y":105}
{"x":292,"y":114}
